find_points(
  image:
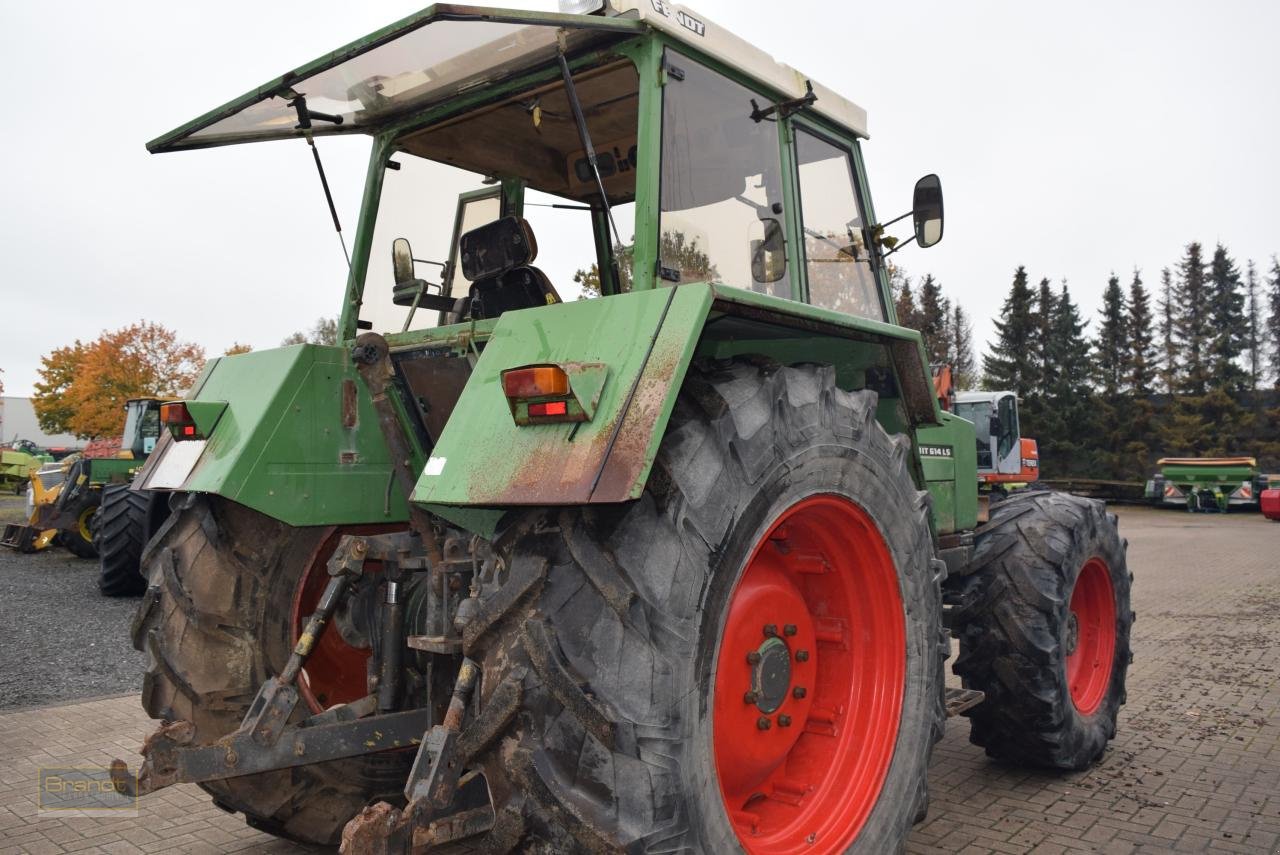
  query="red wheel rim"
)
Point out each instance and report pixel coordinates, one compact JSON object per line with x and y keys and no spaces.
{"x":1091,"y":636}
{"x":336,"y":672}
{"x":824,"y":580}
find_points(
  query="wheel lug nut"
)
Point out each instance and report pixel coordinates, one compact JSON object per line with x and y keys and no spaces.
{"x":802,"y":655}
{"x":789,"y":629}
{"x":753,"y":657}
{"x":784,"y":721}
{"x":799,"y":692}
{"x":770,"y":629}
{"x":763,"y":722}
{"x":750,"y":698}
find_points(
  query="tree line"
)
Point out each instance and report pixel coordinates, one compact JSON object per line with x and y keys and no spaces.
{"x":1191,"y":370}
{"x":82,"y":387}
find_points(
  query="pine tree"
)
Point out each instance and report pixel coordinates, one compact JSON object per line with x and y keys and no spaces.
{"x":1227,"y":325}
{"x":1069,"y":419}
{"x":1273,"y":319}
{"x":1010,"y":365}
{"x":1046,"y":307}
{"x":904,"y":302}
{"x":934,"y":316}
{"x":1253,"y":320}
{"x":1112,"y":339}
{"x":1141,"y":355}
{"x":961,"y":348}
{"x":1169,"y":374}
{"x":1191,"y":321}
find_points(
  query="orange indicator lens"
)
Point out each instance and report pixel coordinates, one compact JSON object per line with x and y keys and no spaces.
{"x":541,"y":381}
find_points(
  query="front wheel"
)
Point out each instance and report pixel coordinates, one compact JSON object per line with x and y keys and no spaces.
{"x":748,"y":658}
{"x":1043,"y":622}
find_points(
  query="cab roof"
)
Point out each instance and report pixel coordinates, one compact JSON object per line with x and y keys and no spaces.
{"x":379,"y":79}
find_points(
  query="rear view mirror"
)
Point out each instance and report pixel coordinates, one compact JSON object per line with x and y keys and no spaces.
{"x":402,"y":260}
{"x":769,"y":253}
{"x":926,"y":210}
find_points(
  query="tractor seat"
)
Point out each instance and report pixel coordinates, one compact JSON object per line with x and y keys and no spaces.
{"x":497,"y":258}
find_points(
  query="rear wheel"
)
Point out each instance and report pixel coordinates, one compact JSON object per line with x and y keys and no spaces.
{"x":1044,"y":623}
{"x":227,"y":589}
{"x":748,"y":657}
{"x":119,"y":533}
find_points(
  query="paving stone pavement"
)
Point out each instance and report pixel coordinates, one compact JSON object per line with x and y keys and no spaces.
{"x":1195,"y":766}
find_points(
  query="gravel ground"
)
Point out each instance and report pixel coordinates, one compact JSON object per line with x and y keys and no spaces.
{"x":59,"y":638}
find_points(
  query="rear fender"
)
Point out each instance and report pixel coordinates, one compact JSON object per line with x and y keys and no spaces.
{"x":647,"y":339}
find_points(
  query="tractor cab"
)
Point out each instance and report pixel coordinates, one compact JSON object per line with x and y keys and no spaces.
{"x":1004,"y":455}
{"x":610,"y":159}
{"x":141,"y":427}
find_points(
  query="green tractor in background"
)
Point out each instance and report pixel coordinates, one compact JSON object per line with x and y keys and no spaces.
{"x":675,"y":568}
{"x":90,"y":506}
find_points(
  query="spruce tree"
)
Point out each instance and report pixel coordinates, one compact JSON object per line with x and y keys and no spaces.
{"x":934,"y":315}
{"x":1228,"y":328}
{"x":961,"y":348}
{"x":1170,"y":376}
{"x":904,"y":302}
{"x":1010,"y":365}
{"x":1253,"y":320}
{"x":1069,"y":420}
{"x":1191,"y":321}
{"x":1141,"y":354}
{"x":1112,"y":340}
{"x":1273,"y":320}
{"x":1046,"y":307}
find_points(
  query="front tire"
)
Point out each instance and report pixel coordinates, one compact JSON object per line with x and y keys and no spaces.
{"x":1044,"y":622}
{"x":628,"y":632}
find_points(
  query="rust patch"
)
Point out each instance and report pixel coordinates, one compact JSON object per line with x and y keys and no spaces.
{"x":350,"y":402}
{"x":367,"y":832}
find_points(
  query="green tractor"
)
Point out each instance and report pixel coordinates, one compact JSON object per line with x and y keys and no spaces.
{"x":673,"y":568}
{"x":93,"y":511}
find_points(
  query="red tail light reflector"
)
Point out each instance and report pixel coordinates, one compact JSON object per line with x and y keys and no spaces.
{"x":549,"y":408}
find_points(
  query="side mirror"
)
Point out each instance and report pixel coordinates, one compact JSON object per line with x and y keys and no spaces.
{"x":926,"y":210}
{"x":994,"y":427}
{"x":402,"y":260}
{"x":769,"y":253}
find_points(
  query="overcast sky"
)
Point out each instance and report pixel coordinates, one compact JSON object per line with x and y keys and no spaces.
{"x":1077,"y":139}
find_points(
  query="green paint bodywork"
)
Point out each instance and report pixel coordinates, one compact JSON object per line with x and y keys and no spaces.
{"x":605,"y":459}
{"x":280,"y":446}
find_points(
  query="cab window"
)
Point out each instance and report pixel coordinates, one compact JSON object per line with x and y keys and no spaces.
{"x":837,"y":265}
{"x":721,"y":193}
{"x":1008,"y":414}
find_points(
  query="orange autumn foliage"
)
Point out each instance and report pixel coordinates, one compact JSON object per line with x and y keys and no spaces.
{"x":83,"y":387}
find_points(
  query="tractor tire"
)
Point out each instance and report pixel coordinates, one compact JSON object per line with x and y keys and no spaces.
{"x":781,"y":548}
{"x":78,"y":540}
{"x":217,"y":622}
{"x":119,"y":534}
{"x":1043,"y":622}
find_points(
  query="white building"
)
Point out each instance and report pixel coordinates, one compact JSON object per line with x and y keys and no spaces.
{"x":18,"y":421}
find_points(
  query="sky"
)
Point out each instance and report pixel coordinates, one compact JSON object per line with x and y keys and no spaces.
{"x":1076,"y":138}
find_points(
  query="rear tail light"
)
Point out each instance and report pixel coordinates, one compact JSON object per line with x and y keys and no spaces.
{"x":177,"y":418}
{"x":542,"y":394}
{"x":540,"y":381}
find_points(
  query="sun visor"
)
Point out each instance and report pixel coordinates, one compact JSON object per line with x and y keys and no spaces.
{"x":419,"y":61}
